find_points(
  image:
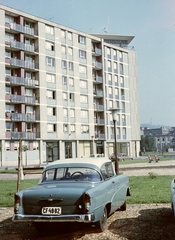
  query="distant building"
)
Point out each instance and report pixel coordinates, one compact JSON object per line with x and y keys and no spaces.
{"x":57,"y":86}
{"x":164,"y":137}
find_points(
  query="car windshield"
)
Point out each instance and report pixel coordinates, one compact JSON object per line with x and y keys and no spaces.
{"x":71,"y":174}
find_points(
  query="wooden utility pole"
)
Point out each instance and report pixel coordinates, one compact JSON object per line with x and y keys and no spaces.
{"x":19,"y":166}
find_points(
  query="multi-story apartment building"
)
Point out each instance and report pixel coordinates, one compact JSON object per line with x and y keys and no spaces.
{"x":57,"y":86}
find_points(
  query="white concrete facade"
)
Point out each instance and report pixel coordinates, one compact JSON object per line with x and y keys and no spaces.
{"x":57,"y":85}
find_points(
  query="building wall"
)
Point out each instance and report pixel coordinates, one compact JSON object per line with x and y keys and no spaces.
{"x":49,"y":105}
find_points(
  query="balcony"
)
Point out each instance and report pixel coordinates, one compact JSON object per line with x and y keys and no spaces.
{"x":23,"y":64}
{"x":97,"y":65}
{"x":21,"y":117}
{"x":98,"y":93}
{"x":100,"y":136}
{"x":99,"y":121}
{"x":98,"y":79}
{"x":21,"y":81}
{"x":98,"y":107}
{"x":14,"y":98}
{"x":20,"y":28}
{"x":23,"y":135}
{"x":22,"y":46}
{"x":96,"y":51}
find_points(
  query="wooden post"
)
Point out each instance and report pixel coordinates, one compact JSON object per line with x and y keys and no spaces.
{"x":19,"y":166}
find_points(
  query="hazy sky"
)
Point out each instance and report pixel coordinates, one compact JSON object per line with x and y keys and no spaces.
{"x":152,"y":22}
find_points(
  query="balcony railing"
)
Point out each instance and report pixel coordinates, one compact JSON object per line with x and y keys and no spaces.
{"x":99,"y":121}
{"x":21,"y":81}
{"x":22,"y":99}
{"x":23,"y":64}
{"x":20,"y":28}
{"x":22,"y":46}
{"x":23,"y":135}
{"x":99,"y":107}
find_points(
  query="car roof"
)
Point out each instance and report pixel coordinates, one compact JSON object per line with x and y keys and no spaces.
{"x":91,"y":162}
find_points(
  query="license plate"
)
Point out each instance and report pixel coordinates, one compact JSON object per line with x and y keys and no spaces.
{"x":51,"y":211}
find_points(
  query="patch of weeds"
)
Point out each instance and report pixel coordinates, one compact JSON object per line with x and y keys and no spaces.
{"x":152,"y":175}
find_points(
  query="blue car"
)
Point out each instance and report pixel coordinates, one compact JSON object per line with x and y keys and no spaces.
{"x":73,"y":190}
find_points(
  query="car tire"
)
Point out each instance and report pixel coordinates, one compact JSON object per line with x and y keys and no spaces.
{"x":41,"y":226}
{"x":123,"y":207}
{"x":102,"y":224}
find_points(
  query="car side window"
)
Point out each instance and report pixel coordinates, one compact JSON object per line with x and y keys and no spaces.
{"x":107,"y":170}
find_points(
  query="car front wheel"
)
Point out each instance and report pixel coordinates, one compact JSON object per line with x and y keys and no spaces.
{"x":102,"y":224}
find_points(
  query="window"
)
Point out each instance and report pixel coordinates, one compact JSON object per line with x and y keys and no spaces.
{"x":116,"y":79}
{"x":8,"y":90}
{"x":71,"y":81}
{"x":82,"y":69}
{"x":84,"y":128}
{"x":7,"y":145}
{"x":51,"y":127}
{"x":64,"y":64}
{"x":50,"y":61}
{"x":9,"y":108}
{"x":49,"y":29}
{"x":29,"y":127}
{"x":9,"y":19}
{"x":72,"y":127}
{"x":16,"y":145}
{"x":122,"y":92}
{"x":83,"y":99}
{"x":71,"y":97}
{"x":35,"y":145}
{"x":110,"y":90}
{"x":63,"y":33}
{"x":50,"y":78}
{"x":84,"y":114}
{"x":50,"y":111}
{"x":121,"y":80}
{"x":107,"y":170}
{"x":83,"y":83}
{"x":121,"y":68}
{"x":29,"y":92}
{"x":64,"y":79}
{"x":72,"y":113}
{"x":28,"y":58}
{"x":81,"y":39}
{"x":69,"y":35}
{"x":115,"y":54}
{"x":49,"y":46}
{"x":71,"y":66}
{"x":9,"y":127}
{"x":116,"y":91}
{"x":109,"y":65}
{"x":123,"y":118}
{"x":108,"y":52}
{"x":115,"y":67}
{"x":70,"y":51}
{"x":109,"y":77}
{"x":120,"y":55}
{"x":82,"y":54}
{"x":63,"y":49}
{"x":110,"y":104}
{"x":64,"y":96}
{"x":7,"y":54}
{"x":8,"y":71}
{"x":29,"y":109}
{"x":65,"y":127}
{"x":50,"y":94}
{"x":65,"y":112}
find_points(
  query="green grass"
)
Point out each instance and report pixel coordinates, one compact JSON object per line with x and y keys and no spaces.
{"x":144,"y":189}
{"x":9,"y":187}
{"x":150,"y":189}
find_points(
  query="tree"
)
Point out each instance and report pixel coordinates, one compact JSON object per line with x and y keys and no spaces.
{"x":147,"y":143}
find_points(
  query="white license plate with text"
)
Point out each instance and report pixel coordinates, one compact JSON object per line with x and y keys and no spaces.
{"x":51,"y":211}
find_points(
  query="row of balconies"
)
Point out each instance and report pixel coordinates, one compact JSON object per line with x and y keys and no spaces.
{"x":21,"y":63}
{"x":21,"y":117}
{"x":22,"y":135}
{"x":21,"y":81}
{"x":14,"y":98}
{"x":21,"y":28}
{"x":21,"y":46}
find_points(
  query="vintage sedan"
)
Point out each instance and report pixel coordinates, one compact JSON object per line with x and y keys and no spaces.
{"x":73,"y":190}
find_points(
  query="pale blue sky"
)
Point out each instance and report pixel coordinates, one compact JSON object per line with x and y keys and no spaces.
{"x":152,"y":22}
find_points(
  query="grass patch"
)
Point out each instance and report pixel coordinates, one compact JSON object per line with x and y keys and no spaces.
{"x":150,"y":189}
{"x":144,"y":189}
{"x":9,"y":187}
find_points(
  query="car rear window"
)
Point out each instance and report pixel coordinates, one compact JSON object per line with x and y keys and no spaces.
{"x":71,"y":174}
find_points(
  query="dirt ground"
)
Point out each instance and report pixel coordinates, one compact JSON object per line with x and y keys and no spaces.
{"x":138,"y":222}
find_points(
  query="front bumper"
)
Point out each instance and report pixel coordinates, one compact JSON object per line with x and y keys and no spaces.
{"x":85,"y":218}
